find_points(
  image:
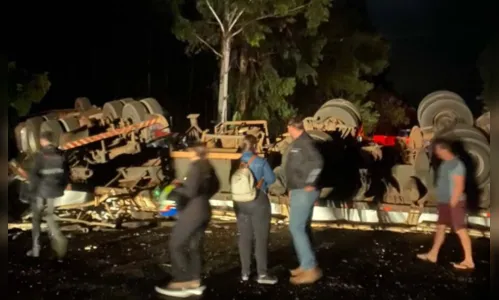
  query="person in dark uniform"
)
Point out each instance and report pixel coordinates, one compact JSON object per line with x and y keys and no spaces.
{"x":47,"y":179}
{"x":194,"y":214}
{"x":304,"y":165}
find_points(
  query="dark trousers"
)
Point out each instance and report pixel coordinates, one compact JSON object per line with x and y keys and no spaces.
{"x":253,"y":221}
{"x":186,"y":247}
{"x":37,"y":209}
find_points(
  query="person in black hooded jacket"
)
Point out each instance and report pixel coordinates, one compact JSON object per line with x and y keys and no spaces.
{"x":194,"y":214}
{"x":47,"y":180}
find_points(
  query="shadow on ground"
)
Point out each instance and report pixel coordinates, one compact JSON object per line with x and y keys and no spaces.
{"x":356,"y":264}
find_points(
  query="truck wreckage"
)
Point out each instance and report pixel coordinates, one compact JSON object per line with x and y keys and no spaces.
{"x":363,"y":182}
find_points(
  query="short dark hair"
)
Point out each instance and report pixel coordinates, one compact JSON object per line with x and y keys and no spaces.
{"x":47,"y":135}
{"x":296,"y":122}
{"x":200,"y":149}
{"x":443,"y":143}
{"x":249,"y":142}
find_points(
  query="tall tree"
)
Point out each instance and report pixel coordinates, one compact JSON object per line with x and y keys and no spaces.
{"x":311,"y":65}
{"x":25,"y":88}
{"x":221,"y":23}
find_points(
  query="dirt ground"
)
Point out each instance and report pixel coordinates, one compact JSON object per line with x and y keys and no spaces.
{"x":357,"y":265}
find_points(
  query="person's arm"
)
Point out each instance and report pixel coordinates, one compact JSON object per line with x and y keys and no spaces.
{"x":190,"y":186}
{"x":459,"y":180}
{"x":313,"y":165}
{"x":268,"y":174}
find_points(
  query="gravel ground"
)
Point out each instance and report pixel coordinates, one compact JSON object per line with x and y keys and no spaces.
{"x":357,"y":265}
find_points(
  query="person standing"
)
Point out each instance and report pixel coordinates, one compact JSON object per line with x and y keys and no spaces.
{"x":47,"y":180}
{"x":304,"y":164}
{"x":254,"y":215}
{"x":194,"y":214}
{"x":450,"y":191}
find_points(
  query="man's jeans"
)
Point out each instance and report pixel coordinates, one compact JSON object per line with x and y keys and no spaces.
{"x":302,"y":205}
{"x":37,"y":208}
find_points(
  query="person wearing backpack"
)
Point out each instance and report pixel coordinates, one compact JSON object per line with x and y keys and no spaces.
{"x":47,"y":180}
{"x":303,"y":167}
{"x":252,"y":206}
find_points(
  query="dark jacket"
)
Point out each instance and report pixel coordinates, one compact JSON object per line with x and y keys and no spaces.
{"x":49,"y":175}
{"x":200,"y":185}
{"x":304,"y":163}
{"x":260,"y":168}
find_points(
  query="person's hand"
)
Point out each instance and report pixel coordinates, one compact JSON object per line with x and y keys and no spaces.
{"x":309,"y":188}
{"x":453,"y":203}
{"x":176,"y":182}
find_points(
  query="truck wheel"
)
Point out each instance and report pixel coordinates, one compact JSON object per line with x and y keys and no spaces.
{"x":462,"y":130}
{"x":437,"y":95}
{"x":21,"y":138}
{"x":134,"y":112}
{"x":55,"y":128}
{"x":125,"y":100}
{"x":112,"y":110}
{"x":344,"y":103}
{"x":70,"y":124}
{"x":483,"y":122}
{"x":33,"y":133}
{"x":444,"y":114}
{"x":82,"y":104}
{"x":153,"y":107}
{"x":340,"y":111}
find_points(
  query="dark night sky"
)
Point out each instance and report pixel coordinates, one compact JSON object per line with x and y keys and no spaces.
{"x":434,"y":43}
{"x":99,"y":50}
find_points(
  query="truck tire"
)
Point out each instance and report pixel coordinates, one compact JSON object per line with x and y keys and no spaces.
{"x":82,"y":104}
{"x":152,"y":106}
{"x":444,"y":114}
{"x":134,"y":112}
{"x":340,"y":111}
{"x":70,"y":124}
{"x":344,"y":103}
{"x":437,"y":95}
{"x":112,"y":110}
{"x":463,"y":130}
{"x":483,"y":122}
{"x":126,"y":100}
{"x":55,"y":128}
{"x":33,"y":133}
{"x":21,"y":138}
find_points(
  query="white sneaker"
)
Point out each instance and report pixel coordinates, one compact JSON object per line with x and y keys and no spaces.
{"x":266,"y":279}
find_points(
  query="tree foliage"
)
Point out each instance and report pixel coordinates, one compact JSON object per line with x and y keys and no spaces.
{"x":277,"y":48}
{"x":222,"y":24}
{"x":25,"y":88}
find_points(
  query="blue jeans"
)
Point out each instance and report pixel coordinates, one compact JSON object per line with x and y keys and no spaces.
{"x":302,"y":206}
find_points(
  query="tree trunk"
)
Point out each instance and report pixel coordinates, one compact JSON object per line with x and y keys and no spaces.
{"x":243,"y":86}
{"x":223,"y":90}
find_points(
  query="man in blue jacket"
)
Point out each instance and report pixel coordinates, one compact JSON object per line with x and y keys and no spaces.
{"x":303,"y":166}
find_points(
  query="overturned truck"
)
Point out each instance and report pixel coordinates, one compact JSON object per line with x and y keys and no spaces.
{"x":361,"y":182}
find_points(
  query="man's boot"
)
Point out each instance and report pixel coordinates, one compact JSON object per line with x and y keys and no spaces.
{"x":307,"y":276}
